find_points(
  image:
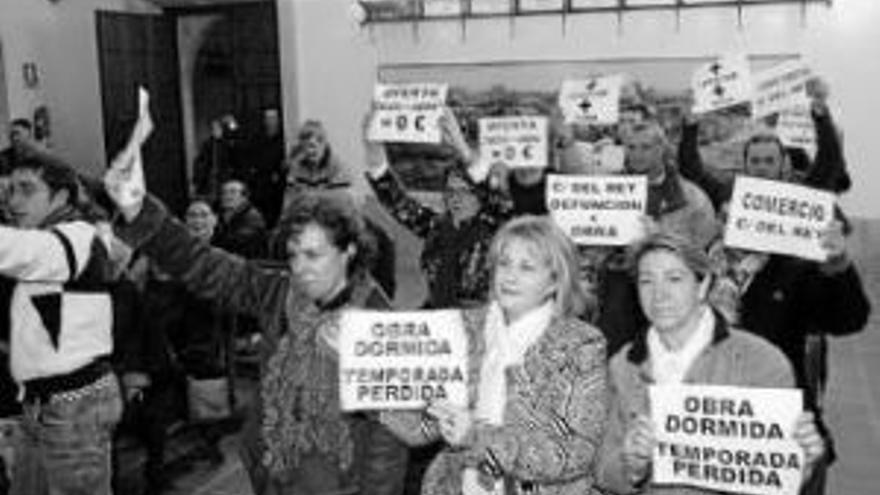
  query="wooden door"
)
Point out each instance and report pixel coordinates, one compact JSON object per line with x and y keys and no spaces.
{"x":141,"y":50}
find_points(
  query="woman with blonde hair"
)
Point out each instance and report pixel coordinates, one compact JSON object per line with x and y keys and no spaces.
{"x":536,"y":406}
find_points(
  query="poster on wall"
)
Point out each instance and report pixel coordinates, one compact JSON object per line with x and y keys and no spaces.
{"x":530,"y":88}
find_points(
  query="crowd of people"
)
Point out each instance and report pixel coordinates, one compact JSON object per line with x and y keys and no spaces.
{"x":564,"y":341}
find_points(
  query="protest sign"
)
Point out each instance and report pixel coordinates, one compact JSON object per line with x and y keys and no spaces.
{"x":796,"y":129}
{"x":407,"y":113}
{"x":778,"y":217}
{"x":780,"y":87}
{"x":401,"y":360}
{"x":518,"y":142}
{"x":598,"y":210}
{"x":723,"y":83}
{"x":591,"y":101}
{"x":729,"y":439}
{"x":600,"y":158}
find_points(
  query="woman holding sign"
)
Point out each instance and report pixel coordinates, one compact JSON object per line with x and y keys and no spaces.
{"x":536,"y":378}
{"x":299,"y":442}
{"x":687,"y":342}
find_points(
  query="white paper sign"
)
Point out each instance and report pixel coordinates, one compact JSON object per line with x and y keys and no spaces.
{"x":780,"y":87}
{"x":518,"y":142}
{"x":401,"y":360}
{"x":598,"y":210}
{"x":600,"y":159}
{"x":591,"y":101}
{"x":796,"y":129}
{"x":778,"y":217}
{"x":407,"y":113}
{"x":729,"y":439}
{"x":723,"y":83}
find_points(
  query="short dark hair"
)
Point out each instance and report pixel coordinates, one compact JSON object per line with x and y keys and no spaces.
{"x":58,"y":175}
{"x":763,"y":138}
{"x":337,"y":214}
{"x":23,"y":123}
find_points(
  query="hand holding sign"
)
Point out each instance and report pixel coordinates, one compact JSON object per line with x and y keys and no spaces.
{"x":124,"y":180}
{"x":638,"y":447}
{"x":455,"y":422}
{"x":376,"y":158}
{"x":807,"y":435}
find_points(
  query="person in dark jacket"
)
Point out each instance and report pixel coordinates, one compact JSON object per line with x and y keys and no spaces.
{"x":242,"y":229}
{"x":299,"y":442}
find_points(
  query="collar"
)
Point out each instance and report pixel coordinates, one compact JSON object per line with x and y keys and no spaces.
{"x":66,"y":213}
{"x":338,"y":301}
{"x":671,"y":365}
{"x":638,"y":352}
{"x":512,"y":341}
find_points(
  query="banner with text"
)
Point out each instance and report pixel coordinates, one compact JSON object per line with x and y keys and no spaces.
{"x":401,"y":360}
{"x":598,"y":210}
{"x":407,"y":113}
{"x":778,"y":217}
{"x":591,"y":101}
{"x":730,"y":439}
{"x":518,"y":142}
{"x":723,"y":83}
{"x":795,"y":128}
{"x":780,"y":87}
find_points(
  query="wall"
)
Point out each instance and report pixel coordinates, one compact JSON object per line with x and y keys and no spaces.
{"x":61,"y":39}
{"x":329,"y":62}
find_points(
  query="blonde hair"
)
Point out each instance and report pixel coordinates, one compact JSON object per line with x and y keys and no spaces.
{"x":559,"y":253}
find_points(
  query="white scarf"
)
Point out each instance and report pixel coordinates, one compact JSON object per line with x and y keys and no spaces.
{"x":671,"y":366}
{"x":506,"y":346}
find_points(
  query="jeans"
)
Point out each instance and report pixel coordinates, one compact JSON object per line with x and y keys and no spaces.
{"x":65,"y":447}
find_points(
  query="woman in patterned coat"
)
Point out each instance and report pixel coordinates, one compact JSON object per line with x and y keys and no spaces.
{"x":536,"y":408}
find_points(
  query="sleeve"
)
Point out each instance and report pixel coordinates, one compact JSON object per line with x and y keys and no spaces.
{"x":413,"y":428}
{"x":692,"y":168}
{"x":829,"y":167}
{"x":410,"y":213}
{"x":836,"y":302}
{"x":207,"y":272}
{"x":556,"y":436}
{"x":610,"y":469}
{"x":56,"y":255}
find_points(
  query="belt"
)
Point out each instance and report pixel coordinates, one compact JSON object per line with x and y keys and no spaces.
{"x":42,"y":389}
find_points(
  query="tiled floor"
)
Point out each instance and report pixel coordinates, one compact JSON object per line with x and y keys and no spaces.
{"x":853,"y":399}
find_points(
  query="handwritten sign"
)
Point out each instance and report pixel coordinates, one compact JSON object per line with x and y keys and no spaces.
{"x":598,"y":210}
{"x":518,"y":142}
{"x":407,"y":113}
{"x":778,"y":217}
{"x":723,"y":83}
{"x":729,"y":439}
{"x":591,"y":101}
{"x":780,"y":87}
{"x":401,"y":360}
{"x":796,"y":129}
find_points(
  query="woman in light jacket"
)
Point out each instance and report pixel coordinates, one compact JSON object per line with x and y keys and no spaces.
{"x":536,"y":407}
{"x":687,"y":342}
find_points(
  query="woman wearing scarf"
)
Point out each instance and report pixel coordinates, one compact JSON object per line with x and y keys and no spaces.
{"x":537,"y":379}
{"x":687,"y":342}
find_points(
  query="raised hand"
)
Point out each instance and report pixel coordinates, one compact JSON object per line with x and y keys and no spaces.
{"x":376,"y":158}
{"x":124,"y":180}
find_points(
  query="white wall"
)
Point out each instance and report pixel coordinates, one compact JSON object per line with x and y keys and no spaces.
{"x":329,"y":62}
{"x":61,"y":39}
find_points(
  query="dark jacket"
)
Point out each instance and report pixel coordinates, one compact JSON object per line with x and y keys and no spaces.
{"x":791,"y":298}
{"x":367,"y":458}
{"x":243,"y":233}
{"x":454,"y":258}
